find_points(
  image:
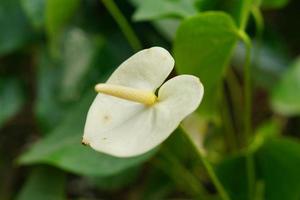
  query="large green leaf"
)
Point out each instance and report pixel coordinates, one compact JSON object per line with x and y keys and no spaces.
{"x":11,"y":99}
{"x":15,"y":30}
{"x":44,"y":183}
{"x":62,"y":148}
{"x":35,"y":10}
{"x":285,"y":96}
{"x":155,"y":9}
{"x":278,"y":165}
{"x":203,"y":46}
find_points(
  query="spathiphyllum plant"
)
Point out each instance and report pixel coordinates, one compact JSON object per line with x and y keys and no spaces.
{"x":127,"y":118}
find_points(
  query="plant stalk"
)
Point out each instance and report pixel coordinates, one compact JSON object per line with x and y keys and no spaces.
{"x":123,"y":24}
{"x":250,"y":165}
{"x":214,"y":178}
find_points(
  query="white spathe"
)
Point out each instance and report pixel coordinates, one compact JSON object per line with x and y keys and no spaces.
{"x":125,"y":128}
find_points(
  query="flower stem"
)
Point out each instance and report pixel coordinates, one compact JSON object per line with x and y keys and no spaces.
{"x":248,"y":113}
{"x":228,"y":123}
{"x":214,"y":178}
{"x":123,"y":24}
{"x":244,"y":16}
{"x":235,"y":90}
{"x":250,"y":165}
{"x":259,"y":22}
{"x":181,"y":176}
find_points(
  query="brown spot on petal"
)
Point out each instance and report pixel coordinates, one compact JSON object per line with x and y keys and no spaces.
{"x":84,"y":142}
{"x":106,"y":118}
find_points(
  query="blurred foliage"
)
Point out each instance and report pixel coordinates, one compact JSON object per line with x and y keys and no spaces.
{"x":11,"y":99}
{"x":284,"y":98}
{"x":15,"y":29}
{"x":53,"y":52}
{"x":44,"y":183}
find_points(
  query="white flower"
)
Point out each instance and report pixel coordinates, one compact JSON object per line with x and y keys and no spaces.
{"x":126,"y":118}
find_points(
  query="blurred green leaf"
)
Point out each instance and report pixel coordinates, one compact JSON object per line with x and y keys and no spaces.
{"x":277,"y":171}
{"x":58,"y":13}
{"x":203,"y":46}
{"x":35,"y":10}
{"x":285,"y":95}
{"x":278,"y":165}
{"x":232,"y":174}
{"x":15,"y":30}
{"x":78,"y":54}
{"x":62,"y":148}
{"x":155,"y":9}
{"x":44,"y":183}
{"x":273,"y":4}
{"x":11,"y":99}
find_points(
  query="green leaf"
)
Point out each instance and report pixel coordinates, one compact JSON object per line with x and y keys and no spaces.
{"x":62,"y":148}
{"x":58,"y":13}
{"x":203,"y":46}
{"x":278,"y":164}
{"x":273,"y":4}
{"x":155,"y":9}
{"x":11,"y":99}
{"x":44,"y":183}
{"x":285,"y":96}
{"x":15,"y":30}
{"x":79,"y":50}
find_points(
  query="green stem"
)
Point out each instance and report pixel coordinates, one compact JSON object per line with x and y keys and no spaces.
{"x":181,"y":176}
{"x":250,"y":165}
{"x":235,"y":90}
{"x":248,"y":113}
{"x":228,"y":123}
{"x":245,"y":11}
{"x":123,"y":24}
{"x":259,"y":22}
{"x":215,"y":180}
